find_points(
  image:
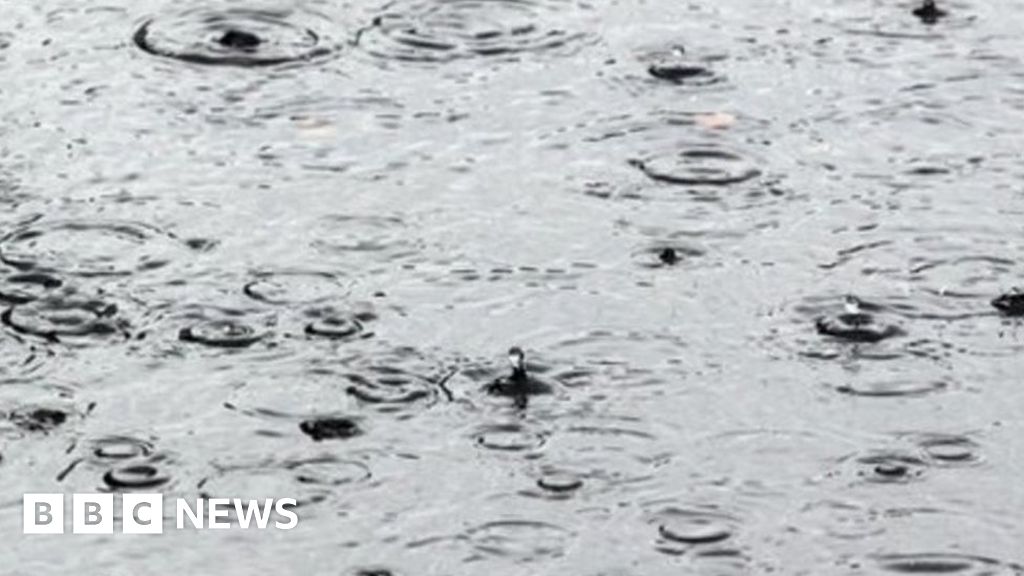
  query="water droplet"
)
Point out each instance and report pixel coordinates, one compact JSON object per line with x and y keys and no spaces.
{"x":221,"y":334}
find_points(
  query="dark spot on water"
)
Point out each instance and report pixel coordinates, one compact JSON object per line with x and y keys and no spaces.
{"x":928,"y":12}
{"x":678,"y":73}
{"x":239,"y":40}
{"x":38,"y":419}
{"x":373,"y":572}
{"x":1011,"y":303}
{"x":334,"y":428}
{"x":891,"y":469}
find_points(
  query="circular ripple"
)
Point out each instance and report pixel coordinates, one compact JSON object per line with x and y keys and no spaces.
{"x":890,"y":387}
{"x":950,"y":450}
{"x":135,"y":477}
{"x":521,"y":540}
{"x":381,"y":239}
{"x":888,"y":467}
{"x":560,"y":483}
{"x":509,"y":438}
{"x":390,"y":388}
{"x":438,"y":31}
{"x":87,"y":247}
{"x":237,"y":37}
{"x":120,"y":448}
{"x":295,"y":287}
{"x":703,"y":166}
{"x":308,"y":480}
{"x":928,"y":563}
{"x":693,"y":527}
{"x":312,"y":389}
{"x":58,"y":318}
{"x":221,"y":334}
{"x":336,"y":327}
{"x":395,"y":381}
{"x":28,"y":286}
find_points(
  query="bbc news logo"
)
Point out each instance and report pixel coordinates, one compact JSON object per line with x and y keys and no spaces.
{"x":144,"y":513}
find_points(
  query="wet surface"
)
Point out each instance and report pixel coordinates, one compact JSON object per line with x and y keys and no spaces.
{"x":762,"y":259}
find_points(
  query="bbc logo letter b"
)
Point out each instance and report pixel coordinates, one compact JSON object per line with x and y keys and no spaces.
{"x":43,"y":513}
{"x":92,"y":513}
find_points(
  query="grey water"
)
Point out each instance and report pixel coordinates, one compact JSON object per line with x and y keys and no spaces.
{"x":282,"y":249}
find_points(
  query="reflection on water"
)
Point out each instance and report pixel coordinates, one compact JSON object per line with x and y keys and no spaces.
{"x":757,"y":263}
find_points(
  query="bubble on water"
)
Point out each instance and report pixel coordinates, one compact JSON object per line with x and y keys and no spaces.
{"x":419,"y":31}
{"x":242,"y":37}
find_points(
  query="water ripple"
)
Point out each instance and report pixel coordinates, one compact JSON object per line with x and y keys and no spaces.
{"x":241,"y":37}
